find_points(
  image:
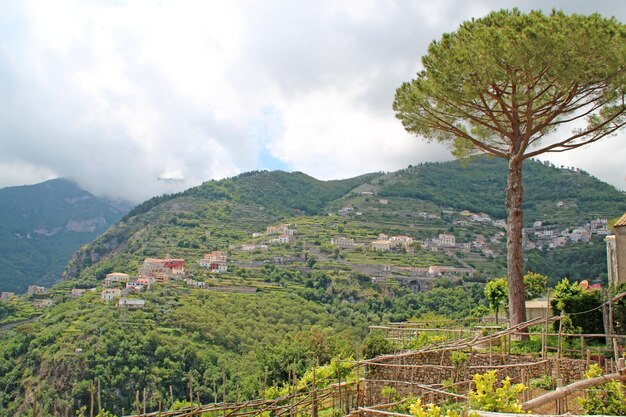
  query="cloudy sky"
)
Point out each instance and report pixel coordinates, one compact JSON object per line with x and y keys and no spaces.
{"x":136,"y":98}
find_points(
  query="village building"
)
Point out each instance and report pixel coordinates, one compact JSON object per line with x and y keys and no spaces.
{"x":439,"y":270}
{"x":110,"y":293}
{"x":283,"y":229}
{"x":250,"y":247}
{"x":77,"y":292}
{"x":538,"y":308}
{"x":281,"y":240}
{"x":135,"y":286}
{"x":115,"y":278}
{"x":616,"y":253}
{"x":383,"y":201}
{"x":401,"y":240}
{"x":342,"y":242}
{"x":42,"y":303}
{"x":195,"y":284}
{"x":36,"y":290}
{"x":145,"y":280}
{"x":381,"y":245}
{"x":6,"y":295}
{"x":445,"y":240}
{"x":172,"y":268}
{"x":216,"y":261}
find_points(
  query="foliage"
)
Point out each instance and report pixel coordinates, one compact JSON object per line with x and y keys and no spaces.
{"x":504,"y":399}
{"x":375,"y":345}
{"x":497,"y":294}
{"x":390,"y":394}
{"x":577,"y":262}
{"x":535,"y":285}
{"x":606,"y":399}
{"x":582,"y":306}
{"x":431,"y":410}
{"x":500,"y":84}
{"x":458,"y":358}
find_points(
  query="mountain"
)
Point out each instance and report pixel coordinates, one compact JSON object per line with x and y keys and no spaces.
{"x":223,"y":214}
{"x":42,"y":225}
{"x":280,"y":305}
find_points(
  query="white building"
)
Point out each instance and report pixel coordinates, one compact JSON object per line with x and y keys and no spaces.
{"x":342,"y":242}
{"x":114,"y":278}
{"x":110,"y":293}
{"x":445,"y":239}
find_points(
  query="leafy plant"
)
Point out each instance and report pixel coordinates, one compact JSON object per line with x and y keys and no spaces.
{"x":431,"y":410}
{"x":487,"y":397}
{"x":606,"y":399}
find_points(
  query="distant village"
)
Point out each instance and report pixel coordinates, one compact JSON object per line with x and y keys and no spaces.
{"x":118,"y":287}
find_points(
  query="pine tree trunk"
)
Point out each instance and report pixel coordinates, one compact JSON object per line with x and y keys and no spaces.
{"x":515,"y":222}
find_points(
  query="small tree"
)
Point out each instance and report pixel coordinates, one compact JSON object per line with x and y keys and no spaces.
{"x":502,"y":84}
{"x":497,"y":294}
{"x":535,"y":285}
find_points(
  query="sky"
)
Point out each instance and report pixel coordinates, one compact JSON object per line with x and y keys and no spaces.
{"x":133,"y":99}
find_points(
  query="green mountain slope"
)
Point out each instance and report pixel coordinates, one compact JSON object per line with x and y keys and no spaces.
{"x":478,"y":185}
{"x":279,"y":306}
{"x":212,"y":215}
{"x":42,"y":225}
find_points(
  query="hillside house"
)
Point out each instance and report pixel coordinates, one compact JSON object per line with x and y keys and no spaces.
{"x":145,"y":280}
{"x":77,"y":292}
{"x":481,"y":217}
{"x":283,"y":229}
{"x":249,"y":247}
{"x":383,"y":201}
{"x":445,"y":240}
{"x":6,"y":295}
{"x":172,"y":268}
{"x":281,"y":240}
{"x":342,"y":242}
{"x":36,"y":290}
{"x":440,"y":270}
{"x":195,"y":284}
{"x":401,"y":240}
{"x":216,"y":261}
{"x":42,"y":303}
{"x":110,"y":293}
{"x":135,"y":286}
{"x":381,"y":245}
{"x":115,"y":278}
{"x":161,"y":278}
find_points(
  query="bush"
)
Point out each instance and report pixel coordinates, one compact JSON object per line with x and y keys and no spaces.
{"x":606,"y":399}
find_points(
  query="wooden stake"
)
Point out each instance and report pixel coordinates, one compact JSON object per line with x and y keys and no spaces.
{"x":99,"y":398}
{"x":214,"y":390}
{"x":91,"y":399}
{"x":264,"y":385}
{"x":224,"y":389}
{"x":190,"y":387}
{"x":137,"y":402}
{"x":171,"y":396}
{"x":144,"y":400}
{"x":314,"y":396}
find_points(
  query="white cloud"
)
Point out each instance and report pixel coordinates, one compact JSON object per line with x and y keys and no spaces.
{"x":118,"y":94}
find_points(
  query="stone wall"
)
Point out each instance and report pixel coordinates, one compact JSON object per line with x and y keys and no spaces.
{"x":409,"y":373}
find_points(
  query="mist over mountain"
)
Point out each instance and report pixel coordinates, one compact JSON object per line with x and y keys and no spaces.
{"x":42,"y":225}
